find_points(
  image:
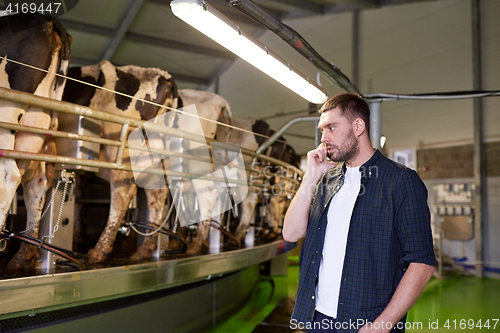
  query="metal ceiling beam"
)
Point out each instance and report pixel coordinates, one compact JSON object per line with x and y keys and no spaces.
{"x":81,"y":61}
{"x":351,"y":6}
{"x":399,"y":2}
{"x":232,"y":15}
{"x":85,"y":27}
{"x":181,"y":46}
{"x":130,"y":13}
{"x":309,"y":6}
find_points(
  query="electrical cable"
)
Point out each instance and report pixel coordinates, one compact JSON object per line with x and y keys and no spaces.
{"x":72,"y":256}
{"x":434,"y":96}
{"x":217,"y":225}
{"x":161,"y":230}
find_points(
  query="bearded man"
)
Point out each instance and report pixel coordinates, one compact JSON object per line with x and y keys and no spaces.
{"x":368,"y":251}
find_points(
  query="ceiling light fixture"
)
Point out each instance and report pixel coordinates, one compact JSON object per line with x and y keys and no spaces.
{"x":216,"y":26}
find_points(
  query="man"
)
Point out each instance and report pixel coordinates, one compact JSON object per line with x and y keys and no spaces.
{"x":368,"y":251}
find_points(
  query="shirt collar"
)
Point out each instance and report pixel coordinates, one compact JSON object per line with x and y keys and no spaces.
{"x":365,"y":169}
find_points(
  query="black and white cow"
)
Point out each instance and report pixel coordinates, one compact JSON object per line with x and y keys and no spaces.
{"x":151,"y":84}
{"x":254,"y":134}
{"x":143,"y":83}
{"x":30,"y":39}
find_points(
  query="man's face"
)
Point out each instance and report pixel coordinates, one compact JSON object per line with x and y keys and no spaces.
{"x":338,"y":136}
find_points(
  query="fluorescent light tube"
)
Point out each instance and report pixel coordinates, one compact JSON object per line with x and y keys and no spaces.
{"x":216,"y":26}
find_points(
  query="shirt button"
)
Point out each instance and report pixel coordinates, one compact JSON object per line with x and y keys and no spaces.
{"x":316,"y":252}
{"x":313,"y":297}
{"x":312,"y":262}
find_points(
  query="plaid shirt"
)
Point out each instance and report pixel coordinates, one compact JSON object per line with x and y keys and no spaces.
{"x":389,"y":229}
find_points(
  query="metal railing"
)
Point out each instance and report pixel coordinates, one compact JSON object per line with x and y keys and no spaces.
{"x":126,"y":122}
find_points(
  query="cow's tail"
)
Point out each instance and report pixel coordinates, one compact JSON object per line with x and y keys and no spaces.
{"x":229,"y":116}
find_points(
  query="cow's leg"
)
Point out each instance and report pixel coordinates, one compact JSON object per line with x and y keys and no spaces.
{"x":247,"y":209}
{"x":10,"y":176}
{"x":34,"y":191}
{"x":123,"y":189}
{"x":201,"y":237}
{"x":276,"y":210}
{"x":207,"y":196}
{"x":156,"y":201}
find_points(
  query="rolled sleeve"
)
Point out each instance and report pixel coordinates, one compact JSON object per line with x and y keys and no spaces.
{"x":413,"y":221}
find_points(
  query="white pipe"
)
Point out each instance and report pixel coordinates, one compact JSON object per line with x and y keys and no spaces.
{"x":375,"y":123}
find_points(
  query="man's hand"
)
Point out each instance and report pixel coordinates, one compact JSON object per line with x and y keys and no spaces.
{"x":297,"y":215}
{"x":317,"y":164}
{"x":406,"y":295}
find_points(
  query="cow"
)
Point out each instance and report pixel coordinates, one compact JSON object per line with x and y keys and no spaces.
{"x":142,"y":83}
{"x":212,"y":107}
{"x":150,"y":84}
{"x":254,"y":132}
{"x":44,"y":44}
{"x":281,"y":184}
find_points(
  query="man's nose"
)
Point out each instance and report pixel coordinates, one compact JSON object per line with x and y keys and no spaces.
{"x":324,"y":139}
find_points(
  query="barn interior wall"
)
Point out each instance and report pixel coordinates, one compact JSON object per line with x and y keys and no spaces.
{"x":454,"y":165}
{"x":413,"y":48}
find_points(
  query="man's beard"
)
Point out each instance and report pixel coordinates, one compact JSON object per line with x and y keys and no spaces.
{"x":348,"y":151}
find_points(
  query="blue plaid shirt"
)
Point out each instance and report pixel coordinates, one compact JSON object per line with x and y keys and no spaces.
{"x":389,"y":229}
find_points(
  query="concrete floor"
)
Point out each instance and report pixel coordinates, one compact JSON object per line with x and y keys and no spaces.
{"x":457,"y":303}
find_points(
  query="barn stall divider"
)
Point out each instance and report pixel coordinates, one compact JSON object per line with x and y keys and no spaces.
{"x":51,"y":288}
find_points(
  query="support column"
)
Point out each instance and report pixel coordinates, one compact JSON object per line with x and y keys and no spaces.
{"x":313,"y":111}
{"x":375,"y":123}
{"x":217,"y":85}
{"x":355,"y":48}
{"x":479,"y":173}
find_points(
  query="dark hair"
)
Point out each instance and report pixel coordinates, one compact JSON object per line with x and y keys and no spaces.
{"x":352,"y":106}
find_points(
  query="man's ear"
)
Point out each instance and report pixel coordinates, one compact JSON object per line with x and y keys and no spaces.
{"x":359,"y":126}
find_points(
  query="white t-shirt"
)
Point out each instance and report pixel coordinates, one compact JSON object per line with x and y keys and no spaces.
{"x":332,"y":260}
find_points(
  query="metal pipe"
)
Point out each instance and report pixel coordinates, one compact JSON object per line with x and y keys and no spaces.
{"x":72,"y":136}
{"x":58,"y":134}
{"x":121,"y":149}
{"x":13,"y":207}
{"x":118,"y":35}
{"x":101,"y":164}
{"x":375,"y":123}
{"x":279,"y":132}
{"x":317,"y":134}
{"x":51,"y":104}
{"x":479,"y":172}
{"x":5,"y":153}
{"x":296,"y":41}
